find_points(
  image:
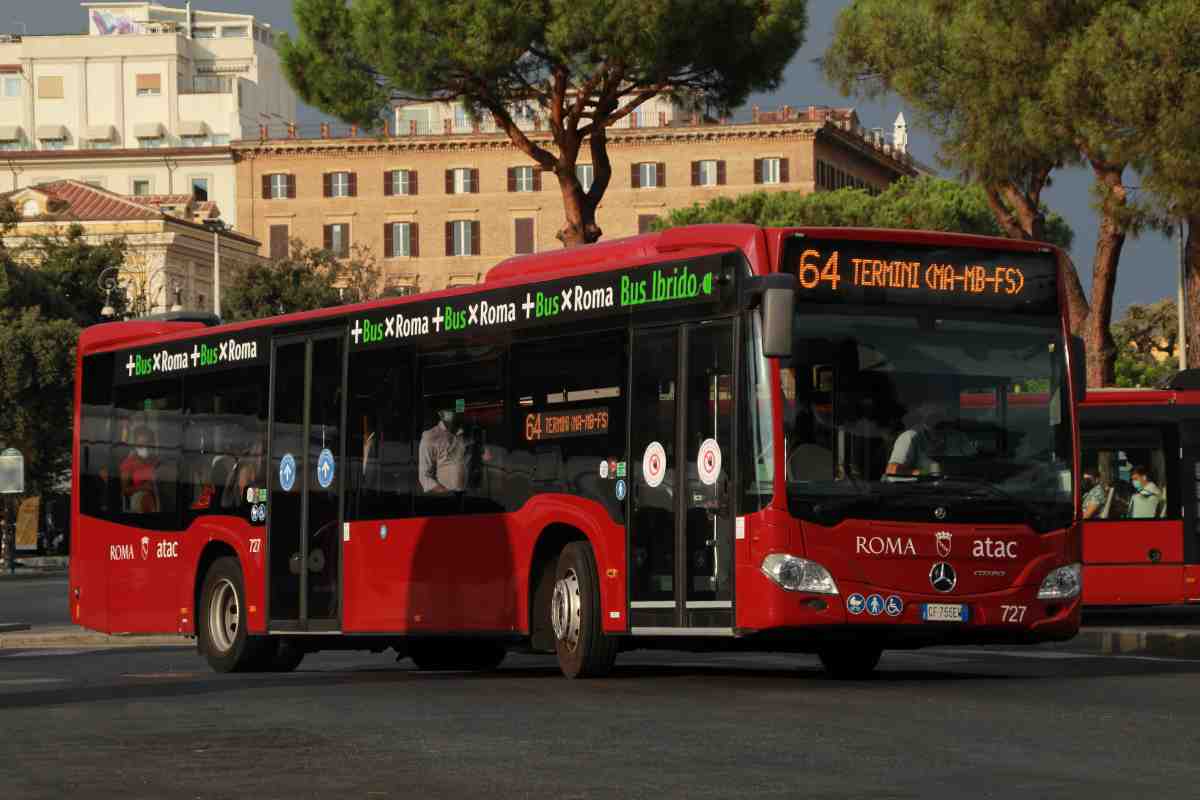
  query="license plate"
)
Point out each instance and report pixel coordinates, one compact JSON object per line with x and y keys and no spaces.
{"x":944,"y":612}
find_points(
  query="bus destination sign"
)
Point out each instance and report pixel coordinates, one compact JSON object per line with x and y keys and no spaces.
{"x":882,"y":273}
{"x":541,"y":425}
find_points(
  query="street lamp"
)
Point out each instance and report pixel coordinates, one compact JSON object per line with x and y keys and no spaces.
{"x":107,"y":282}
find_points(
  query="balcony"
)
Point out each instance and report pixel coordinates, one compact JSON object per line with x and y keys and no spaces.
{"x":208,"y":84}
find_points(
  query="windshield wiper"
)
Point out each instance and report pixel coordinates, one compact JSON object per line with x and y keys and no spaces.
{"x":1033,"y":517}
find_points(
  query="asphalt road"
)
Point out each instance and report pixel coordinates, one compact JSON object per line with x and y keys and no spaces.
{"x":37,"y":601}
{"x":954,"y":723}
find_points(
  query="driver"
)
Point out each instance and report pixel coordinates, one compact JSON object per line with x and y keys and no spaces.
{"x":927,"y":438}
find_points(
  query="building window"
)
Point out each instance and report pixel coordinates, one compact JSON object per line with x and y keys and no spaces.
{"x":770,"y":170}
{"x":54,"y":144}
{"x":149,"y":85}
{"x":399,"y":181}
{"x":30,"y":209}
{"x":341,"y":184}
{"x":150,"y":142}
{"x":646,"y":222}
{"x":522,"y":179}
{"x":141,"y":187}
{"x":337,"y":239}
{"x":523,"y":235}
{"x":220,"y":138}
{"x":649,"y":175}
{"x":200,"y":189}
{"x":400,"y":240}
{"x":585,"y":175}
{"x":461,"y":121}
{"x":50,"y":87}
{"x":234,"y":32}
{"x":462,"y":237}
{"x":204,"y":33}
{"x":462,"y":180}
{"x":11,"y":87}
{"x":708,"y":173}
{"x":278,"y":242}
{"x":279,"y":186}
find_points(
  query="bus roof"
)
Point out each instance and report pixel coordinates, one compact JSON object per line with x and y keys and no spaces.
{"x":762,"y":246}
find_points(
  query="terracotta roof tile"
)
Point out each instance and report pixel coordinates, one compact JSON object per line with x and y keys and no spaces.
{"x":88,"y":203}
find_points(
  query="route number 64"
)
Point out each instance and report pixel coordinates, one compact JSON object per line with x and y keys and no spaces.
{"x":1012,"y":613}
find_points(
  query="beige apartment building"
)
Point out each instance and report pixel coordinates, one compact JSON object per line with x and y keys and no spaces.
{"x":173,"y":260}
{"x":443,"y":198}
{"x":146,"y":102}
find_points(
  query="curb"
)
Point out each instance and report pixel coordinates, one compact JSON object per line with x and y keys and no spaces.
{"x":1162,"y":642}
{"x":64,"y":637}
{"x":31,"y":574}
{"x":10,"y":627}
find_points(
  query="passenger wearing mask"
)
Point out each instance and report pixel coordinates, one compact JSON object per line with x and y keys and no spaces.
{"x":928,"y":438}
{"x":443,"y":455}
{"x":1147,"y":497}
{"x":139,"y":487}
{"x":1095,"y":494}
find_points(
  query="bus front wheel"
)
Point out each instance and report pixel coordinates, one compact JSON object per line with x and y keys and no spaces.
{"x":584,"y":651}
{"x":222,"y":620}
{"x":850,"y":662}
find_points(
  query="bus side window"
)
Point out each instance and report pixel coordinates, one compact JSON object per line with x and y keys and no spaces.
{"x":379,"y":447}
{"x":149,"y":428}
{"x":568,"y":420}
{"x":1110,"y":456}
{"x":97,"y":484}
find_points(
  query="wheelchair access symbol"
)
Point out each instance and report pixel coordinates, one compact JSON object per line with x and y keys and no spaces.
{"x":287,"y":472}
{"x":325,"y":468}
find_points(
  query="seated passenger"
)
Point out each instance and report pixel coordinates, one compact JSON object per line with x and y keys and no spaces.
{"x":1095,"y":494}
{"x":139,"y":487}
{"x":927,"y":438}
{"x":1146,"y":495}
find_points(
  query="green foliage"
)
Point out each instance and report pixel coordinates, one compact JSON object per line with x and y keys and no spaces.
{"x":585,"y":63}
{"x":307,"y":279}
{"x":1146,"y":338}
{"x":64,"y":274}
{"x":912,"y":203}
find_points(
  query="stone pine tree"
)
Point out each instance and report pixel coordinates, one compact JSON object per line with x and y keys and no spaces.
{"x":973,"y":71}
{"x":585,"y":63}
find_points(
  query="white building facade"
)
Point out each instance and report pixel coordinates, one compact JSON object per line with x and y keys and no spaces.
{"x":146,"y":102}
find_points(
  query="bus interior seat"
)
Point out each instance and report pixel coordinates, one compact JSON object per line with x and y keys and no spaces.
{"x":1112,"y":490}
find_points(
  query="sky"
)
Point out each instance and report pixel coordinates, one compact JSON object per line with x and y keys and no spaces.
{"x":1149,"y":265}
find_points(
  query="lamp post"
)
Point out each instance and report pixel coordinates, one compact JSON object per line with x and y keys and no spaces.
{"x":217,"y":227}
{"x":109,"y":281}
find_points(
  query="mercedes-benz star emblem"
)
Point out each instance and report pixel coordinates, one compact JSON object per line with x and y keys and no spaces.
{"x":940,"y":512}
{"x":942,"y":577}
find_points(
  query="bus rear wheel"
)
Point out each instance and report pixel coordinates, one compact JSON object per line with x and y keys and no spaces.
{"x":453,"y":654}
{"x":850,"y":662}
{"x":584,"y":651}
{"x":221,"y":631}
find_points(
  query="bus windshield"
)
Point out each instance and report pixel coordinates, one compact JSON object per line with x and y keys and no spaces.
{"x":926,"y":416}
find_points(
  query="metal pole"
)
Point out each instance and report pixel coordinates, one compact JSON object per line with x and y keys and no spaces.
{"x":217,"y":272}
{"x":1181,"y":298}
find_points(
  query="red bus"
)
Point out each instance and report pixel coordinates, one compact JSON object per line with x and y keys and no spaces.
{"x":1141,"y":543}
{"x":717,"y":437}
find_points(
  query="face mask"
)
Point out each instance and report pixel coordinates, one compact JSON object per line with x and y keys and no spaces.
{"x":143,"y":452}
{"x":1137,"y":484}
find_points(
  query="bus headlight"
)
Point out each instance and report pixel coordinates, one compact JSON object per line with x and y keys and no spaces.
{"x":1062,"y":583}
{"x":798,"y":574}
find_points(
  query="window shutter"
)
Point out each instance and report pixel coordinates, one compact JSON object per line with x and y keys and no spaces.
{"x":449,"y":183}
{"x":660,"y":175}
{"x":635,"y":177}
{"x":449,"y":238}
{"x":389,"y":244}
{"x":266,"y":187}
{"x":327,"y":184}
{"x":721,"y":173}
{"x":758,"y":170}
{"x":475,"y":237}
{"x":695,"y":173}
{"x":354,"y":184}
{"x":412,"y":181}
{"x":345,"y":238}
{"x":783,"y":170}
{"x":523,"y":235}
{"x":414,"y":238}
{"x":474,"y":181}
{"x":279,"y":242}
{"x":328,"y":241}
{"x":291,"y":184}
{"x":512,"y":179}
{"x":387,"y":183}
{"x":537,"y":179}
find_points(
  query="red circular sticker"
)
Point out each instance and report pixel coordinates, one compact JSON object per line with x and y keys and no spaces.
{"x":654,"y":464}
{"x":708,"y":462}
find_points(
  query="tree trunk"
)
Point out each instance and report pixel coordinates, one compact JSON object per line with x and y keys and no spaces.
{"x":579,"y":207}
{"x":1101,"y":350}
{"x":1191,"y":260}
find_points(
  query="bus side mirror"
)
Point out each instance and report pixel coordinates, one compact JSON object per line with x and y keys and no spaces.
{"x":776,"y":294}
{"x":1078,"y":354}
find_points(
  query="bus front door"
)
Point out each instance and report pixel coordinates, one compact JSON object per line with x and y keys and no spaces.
{"x":304,"y":523}
{"x":681,"y":515}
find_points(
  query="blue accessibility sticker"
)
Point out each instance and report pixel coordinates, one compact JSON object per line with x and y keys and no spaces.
{"x":855,"y":603}
{"x":325,"y":468}
{"x":894,"y":606}
{"x":875,"y":605}
{"x":620,"y":490}
{"x":287,"y":472}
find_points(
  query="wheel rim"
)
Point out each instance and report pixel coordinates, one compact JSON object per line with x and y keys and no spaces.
{"x":565,"y":613}
{"x":224,"y":615}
